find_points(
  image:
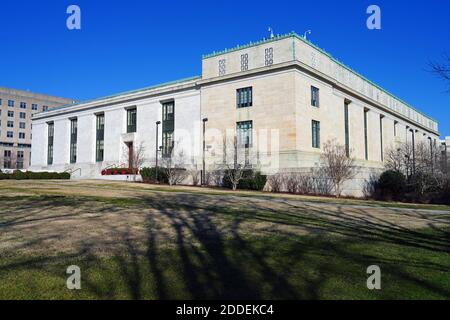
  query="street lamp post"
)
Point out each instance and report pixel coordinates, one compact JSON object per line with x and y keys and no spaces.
{"x":156,"y":148}
{"x":204,"y":149}
{"x":413,"y":152}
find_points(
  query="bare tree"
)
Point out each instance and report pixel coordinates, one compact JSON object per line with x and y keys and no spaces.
{"x":442,"y":69}
{"x":420,"y":163}
{"x":173,"y":165}
{"x":235,"y":161}
{"x":336,"y":165}
{"x":400,"y":158}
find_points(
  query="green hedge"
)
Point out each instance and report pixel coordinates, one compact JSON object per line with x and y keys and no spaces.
{"x":29,"y":175}
{"x":251,"y":180}
{"x":148,"y":175}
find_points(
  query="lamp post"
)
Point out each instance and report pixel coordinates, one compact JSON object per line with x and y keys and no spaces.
{"x":156,"y":148}
{"x":413,"y":151}
{"x":204,"y":149}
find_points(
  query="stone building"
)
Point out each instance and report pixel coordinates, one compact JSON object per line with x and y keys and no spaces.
{"x":282,"y":97}
{"x":16,"y":109}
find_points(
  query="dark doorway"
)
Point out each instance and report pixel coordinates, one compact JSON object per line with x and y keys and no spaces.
{"x":130,"y":155}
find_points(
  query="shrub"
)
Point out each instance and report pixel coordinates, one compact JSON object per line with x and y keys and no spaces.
{"x":391,"y":184}
{"x":148,"y":175}
{"x":19,"y":175}
{"x":251,"y":180}
{"x":276,"y":182}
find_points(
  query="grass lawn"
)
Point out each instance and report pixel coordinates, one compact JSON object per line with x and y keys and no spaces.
{"x":136,"y":241}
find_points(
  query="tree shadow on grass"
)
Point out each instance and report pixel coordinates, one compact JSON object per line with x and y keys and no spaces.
{"x":207,"y":250}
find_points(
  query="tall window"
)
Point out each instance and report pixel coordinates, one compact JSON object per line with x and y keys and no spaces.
{"x":366,"y":147}
{"x":10,"y":103}
{"x":10,"y":124}
{"x":23,"y":105}
{"x":23,"y":115}
{"x":347,"y":133}
{"x":131,"y":120}
{"x":44,"y":108}
{"x":244,"y":97}
{"x":51,"y":133}
{"x":99,"y":137}
{"x":314,"y":96}
{"x":395,"y":128}
{"x":73,"y":140}
{"x":21,"y":135}
{"x":244,"y":133}
{"x":34,"y":106}
{"x":315,"y":126}
{"x":19,"y":159}
{"x":244,"y":62}
{"x":11,"y":114}
{"x":381,"y":136}
{"x":268,"y":56}
{"x":168,"y":125}
{"x":7,"y":159}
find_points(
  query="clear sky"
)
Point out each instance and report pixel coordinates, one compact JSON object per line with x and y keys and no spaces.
{"x":125,"y":45}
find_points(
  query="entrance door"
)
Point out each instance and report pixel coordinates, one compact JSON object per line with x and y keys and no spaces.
{"x":130,"y":155}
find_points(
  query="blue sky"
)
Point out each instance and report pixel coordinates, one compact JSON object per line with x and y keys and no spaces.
{"x":126,"y":45}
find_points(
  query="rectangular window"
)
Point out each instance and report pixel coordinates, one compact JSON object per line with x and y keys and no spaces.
{"x":314,"y":96}
{"x":0,"y":102}
{"x":19,"y":159}
{"x":244,"y":62}
{"x":51,"y":133}
{"x":244,"y":97}
{"x":244,"y":133}
{"x":10,"y":103}
{"x":44,"y":108}
{"x":11,"y":114}
{"x":23,"y":105}
{"x":7,"y":159}
{"x":131,"y":120}
{"x":381,"y":137}
{"x":100,"y":134}
{"x":366,"y":147}
{"x":22,"y":125}
{"x":73,"y":140}
{"x":21,"y":135}
{"x":9,"y":134}
{"x":23,"y":115}
{"x":268,"y":56}
{"x":10,"y":124}
{"x":347,"y":133}
{"x":395,"y":128}
{"x":315,"y":126}
{"x":168,"y":125}
{"x":34,"y":106}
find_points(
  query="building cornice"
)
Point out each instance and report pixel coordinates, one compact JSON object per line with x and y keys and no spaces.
{"x":126,"y":97}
